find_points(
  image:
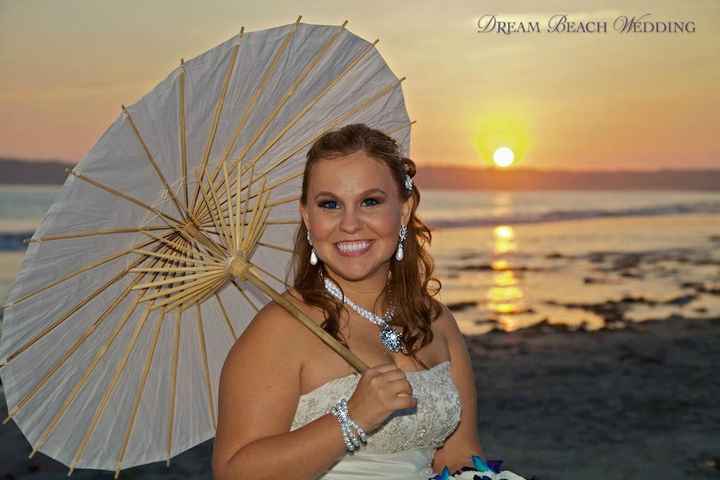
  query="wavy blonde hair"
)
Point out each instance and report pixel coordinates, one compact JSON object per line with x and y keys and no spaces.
{"x":410,"y":279}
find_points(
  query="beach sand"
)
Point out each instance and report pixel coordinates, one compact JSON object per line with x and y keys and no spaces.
{"x":632,"y":403}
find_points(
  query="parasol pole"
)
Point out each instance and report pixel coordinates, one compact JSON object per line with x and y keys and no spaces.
{"x":242,"y":270}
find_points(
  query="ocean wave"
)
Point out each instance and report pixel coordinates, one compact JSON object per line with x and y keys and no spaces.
{"x":565,"y":215}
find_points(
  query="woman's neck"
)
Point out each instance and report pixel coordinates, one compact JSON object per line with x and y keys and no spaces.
{"x":363,"y":292}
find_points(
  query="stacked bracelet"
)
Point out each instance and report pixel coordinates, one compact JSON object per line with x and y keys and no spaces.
{"x":353,"y":434}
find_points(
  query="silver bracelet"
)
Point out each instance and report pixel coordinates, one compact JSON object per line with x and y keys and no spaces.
{"x":353,"y":434}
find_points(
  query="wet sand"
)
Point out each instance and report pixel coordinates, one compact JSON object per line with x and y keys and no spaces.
{"x":632,"y":403}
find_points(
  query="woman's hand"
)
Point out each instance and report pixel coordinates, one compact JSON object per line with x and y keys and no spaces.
{"x":381,"y":390}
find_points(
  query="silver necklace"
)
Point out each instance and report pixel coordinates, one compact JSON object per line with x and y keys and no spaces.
{"x":389,"y":337}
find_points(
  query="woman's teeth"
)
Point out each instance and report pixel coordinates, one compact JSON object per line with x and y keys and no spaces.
{"x":353,"y":247}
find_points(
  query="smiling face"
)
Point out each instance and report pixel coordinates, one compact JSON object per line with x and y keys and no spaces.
{"x":354,"y":213}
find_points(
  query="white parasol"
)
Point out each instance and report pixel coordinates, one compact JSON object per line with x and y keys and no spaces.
{"x":169,"y":236}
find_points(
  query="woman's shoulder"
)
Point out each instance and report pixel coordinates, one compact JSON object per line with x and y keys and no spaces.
{"x":280,"y":328}
{"x":445,"y":323}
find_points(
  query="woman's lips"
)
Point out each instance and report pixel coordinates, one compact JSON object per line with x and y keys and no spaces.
{"x":354,"y":253}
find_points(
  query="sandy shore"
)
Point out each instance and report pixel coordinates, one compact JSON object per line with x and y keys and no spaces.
{"x":632,"y":403}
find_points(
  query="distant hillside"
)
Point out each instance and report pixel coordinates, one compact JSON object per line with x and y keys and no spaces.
{"x":467,"y":178}
{"x":14,"y":171}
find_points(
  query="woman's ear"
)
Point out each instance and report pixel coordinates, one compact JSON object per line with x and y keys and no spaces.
{"x":304,"y":215}
{"x":406,"y":209}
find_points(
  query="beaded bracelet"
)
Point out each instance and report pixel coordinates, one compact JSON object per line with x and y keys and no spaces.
{"x":353,"y":434}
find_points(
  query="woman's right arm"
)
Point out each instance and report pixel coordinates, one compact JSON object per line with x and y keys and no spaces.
{"x":258,"y":394}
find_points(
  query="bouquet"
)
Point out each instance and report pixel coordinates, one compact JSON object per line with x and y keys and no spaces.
{"x":481,"y":470}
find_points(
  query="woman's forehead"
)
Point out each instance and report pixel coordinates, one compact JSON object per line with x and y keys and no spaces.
{"x":355,"y":172}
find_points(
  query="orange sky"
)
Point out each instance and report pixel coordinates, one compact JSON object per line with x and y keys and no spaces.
{"x":559,"y":100}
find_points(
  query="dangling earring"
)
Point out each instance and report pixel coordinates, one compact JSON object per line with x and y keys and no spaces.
{"x":400,"y":254}
{"x":313,"y":255}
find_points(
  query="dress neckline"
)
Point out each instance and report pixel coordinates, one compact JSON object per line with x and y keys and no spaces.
{"x":411,"y":373}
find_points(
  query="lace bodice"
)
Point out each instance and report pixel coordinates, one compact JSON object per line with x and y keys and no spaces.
{"x":427,"y":426}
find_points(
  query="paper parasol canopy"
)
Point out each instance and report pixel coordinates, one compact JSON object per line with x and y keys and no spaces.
{"x":170,"y":235}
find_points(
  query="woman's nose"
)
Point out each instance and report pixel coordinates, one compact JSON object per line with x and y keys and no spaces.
{"x":350,"y":221}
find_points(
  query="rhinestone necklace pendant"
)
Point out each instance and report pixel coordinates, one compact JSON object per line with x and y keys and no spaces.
{"x":391,"y":339}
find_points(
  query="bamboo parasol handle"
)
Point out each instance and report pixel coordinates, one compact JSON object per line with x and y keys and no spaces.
{"x":344,"y":352}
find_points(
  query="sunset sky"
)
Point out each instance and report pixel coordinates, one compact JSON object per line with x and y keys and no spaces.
{"x":558,"y":100}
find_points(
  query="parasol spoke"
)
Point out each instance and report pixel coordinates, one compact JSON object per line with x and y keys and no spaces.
{"x":87,"y":268}
{"x":184,"y":213}
{"x":183,"y":290}
{"x":173,"y":269}
{"x":233,"y":237}
{"x":92,"y":233}
{"x":140,"y":390}
{"x":226,"y":316}
{"x":242,"y":292}
{"x":173,"y":384}
{"x":284,"y":200}
{"x":271,"y":275}
{"x":219,"y":214}
{"x":276,"y":247}
{"x":174,"y":257}
{"x":102,"y":406}
{"x":140,"y":203}
{"x":247,"y":243}
{"x":199,"y":295}
{"x":177,"y":279}
{"x":220,"y":231}
{"x":246,"y":207}
{"x":216,"y":118}
{"x":208,"y":383}
{"x":182,"y":132}
{"x":179,"y":248}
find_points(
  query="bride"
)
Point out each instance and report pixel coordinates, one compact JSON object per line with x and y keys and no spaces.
{"x":289,"y":406}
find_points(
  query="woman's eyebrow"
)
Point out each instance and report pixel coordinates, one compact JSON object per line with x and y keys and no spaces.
{"x":366,"y":192}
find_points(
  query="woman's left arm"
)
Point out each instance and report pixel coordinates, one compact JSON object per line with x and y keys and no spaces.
{"x":464,"y":441}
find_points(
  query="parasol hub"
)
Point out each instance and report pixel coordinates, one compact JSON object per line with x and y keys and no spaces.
{"x":191,"y":229}
{"x":237,"y":266}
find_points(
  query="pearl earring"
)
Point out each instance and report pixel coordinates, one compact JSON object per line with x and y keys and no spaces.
{"x":313,"y":255}
{"x":400,"y":253}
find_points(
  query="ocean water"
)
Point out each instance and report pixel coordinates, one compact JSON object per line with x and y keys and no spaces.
{"x":511,"y":260}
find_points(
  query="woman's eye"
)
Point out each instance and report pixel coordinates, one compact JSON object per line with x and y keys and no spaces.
{"x":323,"y":204}
{"x":331,"y":203}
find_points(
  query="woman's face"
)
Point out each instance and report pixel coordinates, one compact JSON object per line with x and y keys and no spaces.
{"x":354,"y":214}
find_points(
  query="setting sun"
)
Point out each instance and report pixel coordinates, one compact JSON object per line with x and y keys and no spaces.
{"x":503,"y":157}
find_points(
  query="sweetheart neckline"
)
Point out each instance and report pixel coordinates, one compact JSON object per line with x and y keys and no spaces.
{"x":415,"y":372}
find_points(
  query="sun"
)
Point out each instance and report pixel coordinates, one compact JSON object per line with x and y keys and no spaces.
{"x":503,"y":157}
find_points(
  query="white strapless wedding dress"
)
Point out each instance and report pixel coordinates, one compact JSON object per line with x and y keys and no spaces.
{"x":404,"y":446}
